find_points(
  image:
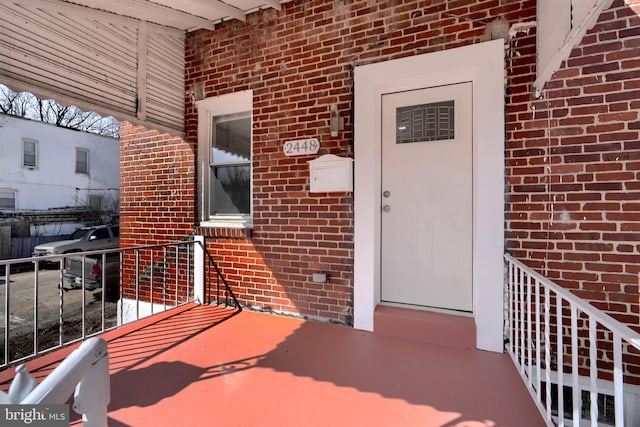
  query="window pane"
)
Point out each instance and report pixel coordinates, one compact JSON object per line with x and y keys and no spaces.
{"x":7,"y":200}
{"x":230,"y":190}
{"x":426,"y":122}
{"x":95,"y":201}
{"x":231,"y":142}
{"x":29,"y":153}
{"x":100,"y":233}
{"x":82,"y":161}
{"x":78,"y":234}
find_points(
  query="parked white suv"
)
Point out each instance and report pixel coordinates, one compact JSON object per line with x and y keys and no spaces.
{"x":83,"y":239}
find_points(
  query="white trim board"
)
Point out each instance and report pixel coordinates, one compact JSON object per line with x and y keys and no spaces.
{"x":483,"y":65}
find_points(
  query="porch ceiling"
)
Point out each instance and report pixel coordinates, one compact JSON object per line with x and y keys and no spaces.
{"x":123,"y":58}
{"x":186,"y":15}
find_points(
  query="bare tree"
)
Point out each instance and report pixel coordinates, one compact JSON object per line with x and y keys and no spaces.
{"x":16,"y":104}
{"x":27,"y":105}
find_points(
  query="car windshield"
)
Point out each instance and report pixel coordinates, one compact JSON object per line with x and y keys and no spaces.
{"x":78,"y":234}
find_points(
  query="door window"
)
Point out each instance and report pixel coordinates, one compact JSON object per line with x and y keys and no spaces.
{"x":425,"y":122}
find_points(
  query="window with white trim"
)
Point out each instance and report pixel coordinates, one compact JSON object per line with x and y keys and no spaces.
{"x":29,"y":153}
{"x":7,"y":200}
{"x":225,"y":160}
{"x":82,"y":160}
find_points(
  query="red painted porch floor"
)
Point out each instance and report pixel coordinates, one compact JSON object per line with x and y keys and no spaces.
{"x":207,"y":366}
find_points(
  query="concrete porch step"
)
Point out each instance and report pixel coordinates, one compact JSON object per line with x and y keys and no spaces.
{"x":425,"y":326}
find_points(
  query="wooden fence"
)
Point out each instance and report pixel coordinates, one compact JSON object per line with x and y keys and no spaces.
{"x":22,"y":247}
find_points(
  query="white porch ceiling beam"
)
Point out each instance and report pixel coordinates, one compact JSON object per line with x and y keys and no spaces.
{"x":146,"y":11}
{"x":83,"y":11}
{"x":185,"y":15}
{"x":561,"y":45}
{"x":218,"y":7}
{"x":274,"y":4}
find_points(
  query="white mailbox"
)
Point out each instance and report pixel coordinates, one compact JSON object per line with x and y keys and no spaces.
{"x":330,"y":173}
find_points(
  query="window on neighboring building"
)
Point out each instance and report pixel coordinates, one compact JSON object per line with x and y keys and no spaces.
{"x":82,"y":160}
{"x":224,"y":131}
{"x":8,"y":200}
{"x":29,"y":153}
{"x":95,"y":201}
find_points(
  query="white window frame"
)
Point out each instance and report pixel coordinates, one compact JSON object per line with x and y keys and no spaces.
{"x":26,"y":141}
{"x":78,"y":151}
{"x":15,"y":198}
{"x":208,"y":109}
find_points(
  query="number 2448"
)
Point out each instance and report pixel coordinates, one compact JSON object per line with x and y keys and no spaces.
{"x":301,"y":147}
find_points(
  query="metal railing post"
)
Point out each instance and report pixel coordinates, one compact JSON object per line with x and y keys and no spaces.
{"x":35,"y":309}
{"x":177,"y":274}
{"x":7,"y":311}
{"x":152,"y":267}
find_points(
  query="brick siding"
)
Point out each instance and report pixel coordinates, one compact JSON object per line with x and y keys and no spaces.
{"x":297,"y":62}
{"x":573,"y":162}
{"x":571,"y":156}
{"x":157,"y":182}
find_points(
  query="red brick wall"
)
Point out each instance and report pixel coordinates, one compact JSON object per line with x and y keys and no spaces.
{"x":157,"y":187}
{"x":298,"y":62}
{"x":157,"y":205}
{"x":573,"y":162}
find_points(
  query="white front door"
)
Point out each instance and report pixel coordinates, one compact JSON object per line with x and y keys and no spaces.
{"x":427,"y":198}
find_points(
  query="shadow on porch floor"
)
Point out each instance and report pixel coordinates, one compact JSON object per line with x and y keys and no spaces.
{"x":205,"y":365}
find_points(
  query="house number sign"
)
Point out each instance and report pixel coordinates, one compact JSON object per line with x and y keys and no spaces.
{"x":301,"y":147}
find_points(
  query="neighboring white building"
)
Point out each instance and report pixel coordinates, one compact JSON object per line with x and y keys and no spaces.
{"x":43,"y":167}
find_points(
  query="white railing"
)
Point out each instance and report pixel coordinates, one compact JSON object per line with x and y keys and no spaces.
{"x":559,"y":341}
{"x":44,"y":309}
{"x":85,"y":370}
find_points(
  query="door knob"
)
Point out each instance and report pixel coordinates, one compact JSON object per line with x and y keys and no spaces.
{"x":386,"y":194}
{"x":386,"y":208}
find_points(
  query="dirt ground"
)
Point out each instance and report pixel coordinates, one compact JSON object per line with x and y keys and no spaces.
{"x":48,"y":337}
{"x":21,"y":306}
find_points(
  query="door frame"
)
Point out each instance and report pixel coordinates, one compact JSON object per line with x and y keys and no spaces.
{"x":483,"y":65}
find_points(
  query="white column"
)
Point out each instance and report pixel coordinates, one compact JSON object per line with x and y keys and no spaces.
{"x":198,"y":269}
